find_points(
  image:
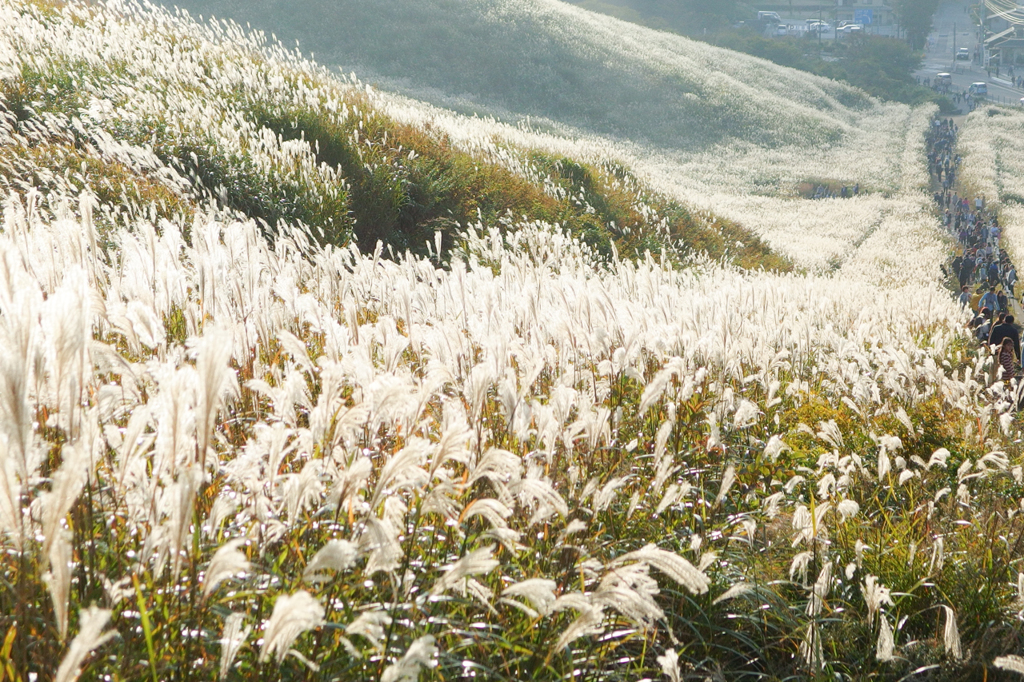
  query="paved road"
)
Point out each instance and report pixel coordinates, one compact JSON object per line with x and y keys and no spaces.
{"x":939,"y":56}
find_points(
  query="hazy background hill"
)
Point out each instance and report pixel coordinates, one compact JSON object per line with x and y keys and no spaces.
{"x":543,"y":58}
{"x":689,"y":17}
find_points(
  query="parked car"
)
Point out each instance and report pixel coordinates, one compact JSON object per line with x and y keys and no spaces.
{"x":943,"y":80}
{"x":978,"y":90}
{"x":963,"y":54}
{"x":782,"y":30}
{"x":851,"y":28}
{"x":816,"y":26}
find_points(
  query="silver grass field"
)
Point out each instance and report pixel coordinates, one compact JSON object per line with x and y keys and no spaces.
{"x":240,"y":451}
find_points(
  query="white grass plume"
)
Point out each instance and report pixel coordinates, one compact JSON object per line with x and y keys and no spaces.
{"x":293,"y":614}
{"x":68,"y":482}
{"x":336,"y":555}
{"x":540,"y":592}
{"x":728,"y":478}
{"x":370,"y":625}
{"x":58,"y":579}
{"x":820,"y":590}
{"x":885,"y":646}
{"x":737,"y":590}
{"x":89,"y":638}
{"x":589,"y":622}
{"x":876,"y":595}
{"x":231,"y":641}
{"x":227,"y":562}
{"x":1010,"y":663}
{"x":477,"y":562}
{"x":216,"y":380}
{"x":10,"y":495}
{"x":421,"y":654}
{"x":951,"y":635}
{"x":669,"y":662}
{"x":671,"y":564}
{"x":630,"y":590}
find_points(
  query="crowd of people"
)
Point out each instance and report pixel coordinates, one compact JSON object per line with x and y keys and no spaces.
{"x":986,"y":275}
{"x":943,"y":161}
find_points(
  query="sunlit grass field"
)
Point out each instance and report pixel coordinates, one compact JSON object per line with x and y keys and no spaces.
{"x":556,"y":424}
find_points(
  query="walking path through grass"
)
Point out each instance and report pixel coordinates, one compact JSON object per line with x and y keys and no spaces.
{"x":984,"y":272}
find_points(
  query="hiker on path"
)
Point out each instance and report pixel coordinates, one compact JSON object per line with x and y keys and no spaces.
{"x":1006,"y":331}
{"x":966,"y":270}
{"x":990,"y":300}
{"x":1007,"y":360}
{"x":983,"y":327}
{"x":965,"y":297}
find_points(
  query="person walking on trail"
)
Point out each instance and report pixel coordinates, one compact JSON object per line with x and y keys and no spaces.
{"x":1006,"y":331}
{"x":1004,"y":303}
{"x":965,"y":296}
{"x":983,"y":325}
{"x":976,"y":299}
{"x":990,"y":300}
{"x":1007,"y":360}
{"x":1011,"y":279}
{"x":966,"y":269}
{"x":1000,"y":318}
{"x":993,"y":273}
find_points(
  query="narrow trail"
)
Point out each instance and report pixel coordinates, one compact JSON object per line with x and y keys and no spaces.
{"x":981,"y":266}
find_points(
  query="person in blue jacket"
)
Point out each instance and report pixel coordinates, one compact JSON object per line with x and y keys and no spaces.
{"x":990,"y":300}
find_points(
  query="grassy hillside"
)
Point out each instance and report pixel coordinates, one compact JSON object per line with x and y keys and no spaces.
{"x":545,"y":58}
{"x":293,"y":145}
{"x":883,"y":67}
{"x":234,"y":448}
{"x":692,"y":119}
{"x":992,"y":147}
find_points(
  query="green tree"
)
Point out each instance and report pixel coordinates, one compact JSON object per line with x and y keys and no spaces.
{"x":915,"y":16}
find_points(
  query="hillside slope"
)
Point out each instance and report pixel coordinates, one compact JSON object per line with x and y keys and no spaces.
{"x":229,"y":452}
{"x":183,"y":118}
{"x":554,"y":60}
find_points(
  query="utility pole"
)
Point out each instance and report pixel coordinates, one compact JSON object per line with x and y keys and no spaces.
{"x":954,"y":47}
{"x":819,"y":31}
